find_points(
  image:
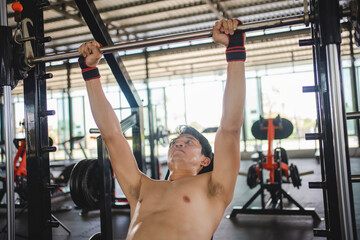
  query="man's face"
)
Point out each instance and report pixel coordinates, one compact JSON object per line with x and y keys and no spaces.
{"x":185,"y":153}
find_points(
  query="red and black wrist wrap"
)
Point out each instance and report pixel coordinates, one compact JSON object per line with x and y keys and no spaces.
{"x":235,"y":51}
{"x":88,"y":73}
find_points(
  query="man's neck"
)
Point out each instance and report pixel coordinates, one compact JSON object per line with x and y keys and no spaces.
{"x":175,"y":175}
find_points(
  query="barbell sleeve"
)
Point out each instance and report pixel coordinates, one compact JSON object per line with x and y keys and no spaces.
{"x":280,"y":22}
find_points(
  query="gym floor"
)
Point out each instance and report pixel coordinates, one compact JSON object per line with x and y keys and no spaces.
{"x":245,"y":227}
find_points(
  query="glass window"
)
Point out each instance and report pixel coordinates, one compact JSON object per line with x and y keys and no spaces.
{"x":349,"y":106}
{"x":253,"y":110}
{"x":282,"y":94}
{"x":204,"y":104}
{"x":175,"y":106}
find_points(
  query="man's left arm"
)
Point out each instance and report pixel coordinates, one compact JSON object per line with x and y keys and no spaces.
{"x":227,"y":140}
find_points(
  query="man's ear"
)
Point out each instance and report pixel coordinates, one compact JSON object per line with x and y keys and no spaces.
{"x":205,"y":161}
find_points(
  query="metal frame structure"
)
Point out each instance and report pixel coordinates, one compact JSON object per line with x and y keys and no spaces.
{"x":6,"y":79}
{"x":40,"y":221}
{"x":325,"y":18}
{"x":334,"y":157}
{"x":100,"y":33}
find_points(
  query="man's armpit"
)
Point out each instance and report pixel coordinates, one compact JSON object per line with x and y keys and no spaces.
{"x":215,"y":189}
{"x":134,"y":192}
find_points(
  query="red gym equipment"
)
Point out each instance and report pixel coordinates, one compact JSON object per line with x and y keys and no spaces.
{"x":276,"y":163}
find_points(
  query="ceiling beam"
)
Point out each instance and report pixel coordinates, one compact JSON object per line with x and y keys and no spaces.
{"x":219,"y":10}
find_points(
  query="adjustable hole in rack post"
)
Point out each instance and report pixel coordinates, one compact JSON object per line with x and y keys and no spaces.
{"x":308,"y":89}
{"x":46,"y":113}
{"x":44,"y":39}
{"x":48,"y":149}
{"x":43,"y":4}
{"x":51,"y":186}
{"x":313,"y":136}
{"x":46,"y":76}
{"x":321,"y":233}
{"x":306,"y":42}
{"x":317,"y":184}
{"x":53,"y":224}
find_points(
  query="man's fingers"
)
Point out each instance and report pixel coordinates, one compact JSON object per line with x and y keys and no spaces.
{"x":225,"y":26}
{"x":217,"y":25}
{"x":235,"y":24}
{"x":230,"y":26}
{"x":82,"y":50}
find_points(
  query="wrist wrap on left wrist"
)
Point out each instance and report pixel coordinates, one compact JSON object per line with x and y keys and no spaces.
{"x":236,"y":51}
{"x":88,"y":73}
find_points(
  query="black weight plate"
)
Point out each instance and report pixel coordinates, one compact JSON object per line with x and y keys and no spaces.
{"x":75,"y":189}
{"x":83,"y":203}
{"x":64,"y":176}
{"x":91,"y":185}
{"x":295,"y":176}
{"x":96,"y":236}
{"x":252,"y":176}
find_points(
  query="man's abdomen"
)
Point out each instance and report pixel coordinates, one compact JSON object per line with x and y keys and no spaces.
{"x":171,"y":226}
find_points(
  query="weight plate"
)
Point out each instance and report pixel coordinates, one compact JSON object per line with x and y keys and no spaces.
{"x":75,"y":189}
{"x":90,"y":185}
{"x":252,"y":176}
{"x":295,"y":176}
{"x":96,"y":236}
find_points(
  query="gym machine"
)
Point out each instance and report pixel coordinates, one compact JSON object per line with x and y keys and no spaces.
{"x":324,"y":17}
{"x":276,"y":162}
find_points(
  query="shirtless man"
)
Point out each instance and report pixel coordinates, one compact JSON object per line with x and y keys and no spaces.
{"x":187,"y":206}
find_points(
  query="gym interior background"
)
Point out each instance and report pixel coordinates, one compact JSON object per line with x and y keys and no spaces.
{"x":182,"y":83}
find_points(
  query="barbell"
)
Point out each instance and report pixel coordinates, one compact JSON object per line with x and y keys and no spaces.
{"x":196,"y":35}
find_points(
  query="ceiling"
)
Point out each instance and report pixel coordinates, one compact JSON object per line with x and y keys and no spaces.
{"x":134,"y":20}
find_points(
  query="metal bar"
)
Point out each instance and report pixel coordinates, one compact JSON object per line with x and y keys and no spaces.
{"x":70,"y":111}
{"x":153,"y":159}
{"x":174,"y":38}
{"x":61,"y":224}
{"x":355,"y":178}
{"x":352,"y":115}
{"x":336,"y":112}
{"x":10,"y":195}
{"x":105,"y":174}
{"x":126,"y":124}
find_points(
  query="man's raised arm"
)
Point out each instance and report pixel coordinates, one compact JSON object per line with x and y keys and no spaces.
{"x":122,"y":159}
{"x":227,"y":141}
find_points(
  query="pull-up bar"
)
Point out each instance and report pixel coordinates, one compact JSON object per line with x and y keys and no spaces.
{"x":280,"y":22}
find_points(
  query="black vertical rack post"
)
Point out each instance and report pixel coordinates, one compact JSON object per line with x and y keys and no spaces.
{"x":106,"y":179}
{"x":40,"y":222}
{"x":332,"y":136}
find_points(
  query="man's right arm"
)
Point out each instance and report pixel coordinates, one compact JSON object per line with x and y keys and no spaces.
{"x":122,"y":159}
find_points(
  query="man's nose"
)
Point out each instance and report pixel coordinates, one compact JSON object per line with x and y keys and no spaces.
{"x":179,"y":144}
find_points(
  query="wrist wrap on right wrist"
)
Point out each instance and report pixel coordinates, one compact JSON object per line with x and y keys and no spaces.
{"x":88,"y":73}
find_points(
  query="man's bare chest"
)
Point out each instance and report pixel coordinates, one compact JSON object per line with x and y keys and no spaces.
{"x":173,"y":196}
